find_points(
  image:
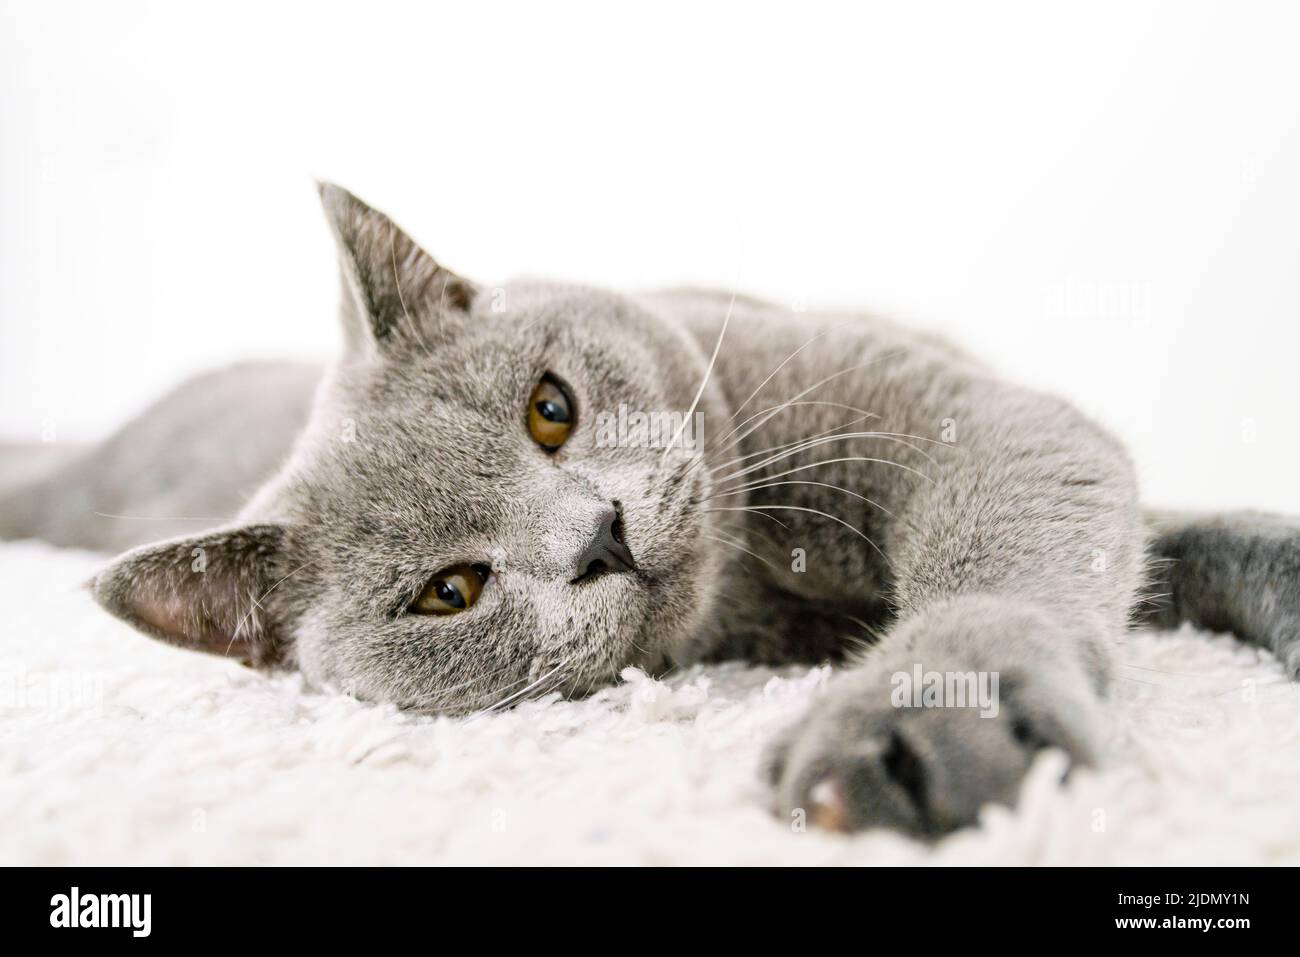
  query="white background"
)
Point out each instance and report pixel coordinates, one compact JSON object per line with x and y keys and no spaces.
{"x":1103,"y":199}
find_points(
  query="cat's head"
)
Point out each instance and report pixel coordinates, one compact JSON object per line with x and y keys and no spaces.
{"x":463,"y":520}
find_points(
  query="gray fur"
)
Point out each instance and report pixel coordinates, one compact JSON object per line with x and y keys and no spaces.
{"x":1237,"y":573}
{"x":188,"y":462}
{"x":979,"y":527}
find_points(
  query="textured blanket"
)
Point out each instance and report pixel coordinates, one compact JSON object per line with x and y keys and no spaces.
{"x":117,"y":750}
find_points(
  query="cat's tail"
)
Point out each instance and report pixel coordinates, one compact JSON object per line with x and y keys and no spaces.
{"x":1237,"y":572}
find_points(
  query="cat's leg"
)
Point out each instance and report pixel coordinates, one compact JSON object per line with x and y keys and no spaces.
{"x":1238,"y":572}
{"x":1014,"y":572}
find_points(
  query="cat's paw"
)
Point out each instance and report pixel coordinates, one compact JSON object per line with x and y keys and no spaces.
{"x":858,"y":760}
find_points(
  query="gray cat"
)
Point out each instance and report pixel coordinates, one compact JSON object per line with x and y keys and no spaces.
{"x":497,"y":493}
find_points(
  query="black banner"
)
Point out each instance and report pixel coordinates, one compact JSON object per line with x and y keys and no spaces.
{"x":337,"y":906}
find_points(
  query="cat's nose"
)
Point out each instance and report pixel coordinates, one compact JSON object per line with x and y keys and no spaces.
{"x":606,"y":552}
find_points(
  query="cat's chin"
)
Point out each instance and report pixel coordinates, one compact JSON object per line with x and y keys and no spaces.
{"x":641,"y":641}
{"x":655,"y":666}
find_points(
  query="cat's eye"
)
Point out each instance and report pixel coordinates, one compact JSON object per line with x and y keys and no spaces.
{"x":451,"y":590}
{"x":550,"y":414}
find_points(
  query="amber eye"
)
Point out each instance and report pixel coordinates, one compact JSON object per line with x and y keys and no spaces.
{"x":451,"y":590}
{"x":550,"y":414}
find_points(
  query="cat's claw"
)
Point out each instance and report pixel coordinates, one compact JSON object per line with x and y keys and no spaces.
{"x":828,"y":806}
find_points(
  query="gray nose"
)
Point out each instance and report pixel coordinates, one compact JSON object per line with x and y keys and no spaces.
{"x":606,"y":551}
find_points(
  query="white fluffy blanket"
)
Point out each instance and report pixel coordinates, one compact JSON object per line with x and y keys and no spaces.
{"x":118,"y":750}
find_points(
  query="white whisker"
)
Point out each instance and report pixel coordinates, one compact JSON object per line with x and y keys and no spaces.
{"x":771,"y":374}
{"x":786,"y":445}
{"x":164,"y":518}
{"x":749,"y":530}
{"x":817,"y":441}
{"x":737,"y":508}
{"x":790,"y":405}
{"x":726,"y":321}
{"x":838,"y":488}
{"x":739,"y":473}
{"x":742,"y":548}
{"x":791,"y":448}
{"x":257,"y":603}
{"x":753,"y":483}
{"x":523,"y":691}
{"x":818,"y":384}
{"x":799,"y":508}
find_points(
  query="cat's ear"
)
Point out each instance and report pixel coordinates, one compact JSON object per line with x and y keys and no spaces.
{"x":394,"y":292}
{"x":212,"y":592}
